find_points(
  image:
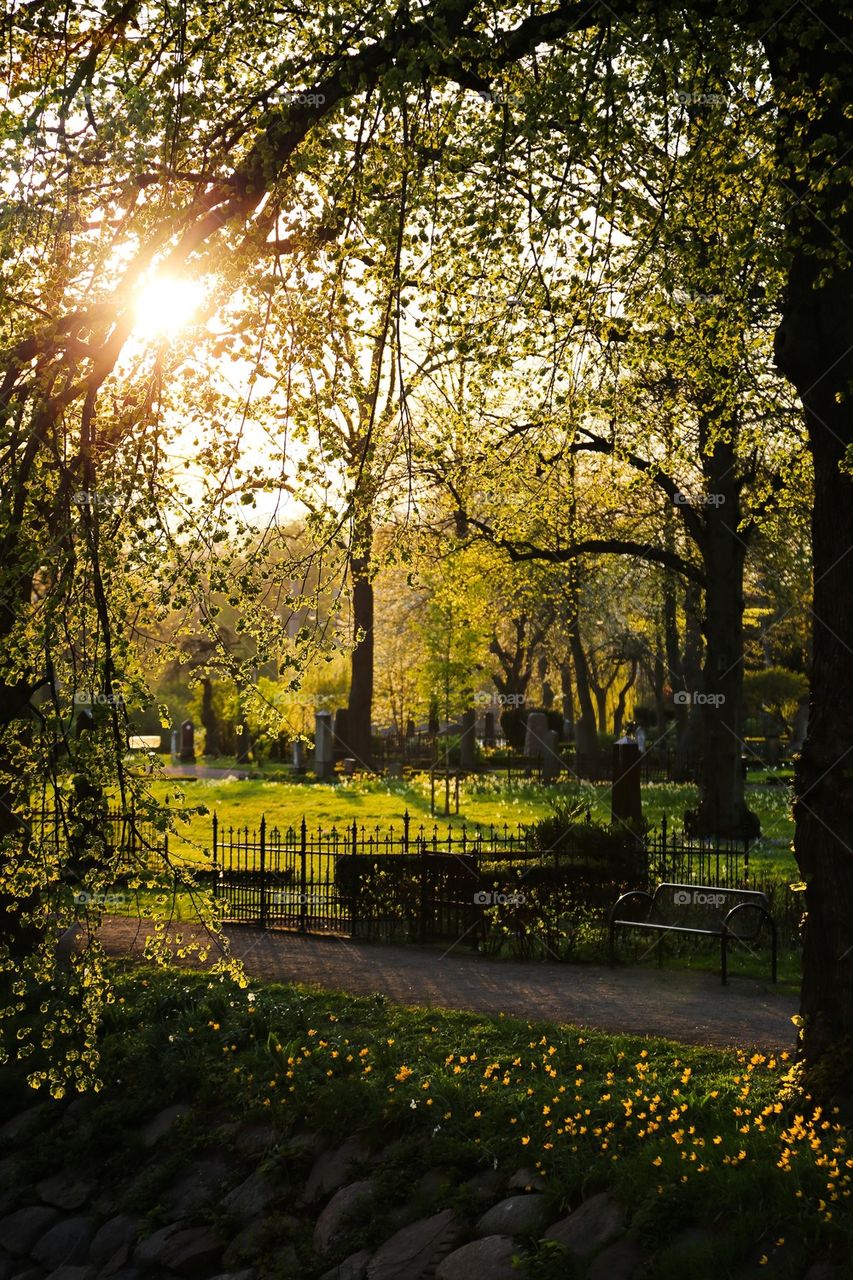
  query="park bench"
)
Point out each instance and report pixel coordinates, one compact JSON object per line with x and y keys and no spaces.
{"x":698,"y":909}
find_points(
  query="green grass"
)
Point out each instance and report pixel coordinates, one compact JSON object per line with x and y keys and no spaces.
{"x":681,"y":1136}
{"x":484,"y":800}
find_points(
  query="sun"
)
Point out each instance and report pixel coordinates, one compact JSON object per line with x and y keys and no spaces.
{"x":166,"y":305}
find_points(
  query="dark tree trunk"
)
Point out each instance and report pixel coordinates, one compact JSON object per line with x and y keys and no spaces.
{"x":600,"y":695}
{"x":18,"y":937}
{"x":586,"y":727}
{"x":688,"y":716}
{"x":360,"y":706}
{"x":513,"y":680}
{"x":210,"y":720}
{"x":814,"y":349}
{"x":566,"y":691}
{"x":619,"y":713}
{"x":722,"y":809}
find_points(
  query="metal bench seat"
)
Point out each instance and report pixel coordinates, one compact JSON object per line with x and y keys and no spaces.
{"x":709,"y":911}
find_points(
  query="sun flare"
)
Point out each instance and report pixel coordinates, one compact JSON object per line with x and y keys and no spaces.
{"x":166,"y":305}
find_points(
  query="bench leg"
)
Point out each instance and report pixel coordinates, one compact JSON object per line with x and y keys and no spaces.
{"x":723,"y":958}
{"x":611,"y":947}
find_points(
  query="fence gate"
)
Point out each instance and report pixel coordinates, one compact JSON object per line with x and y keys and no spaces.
{"x":281,"y":879}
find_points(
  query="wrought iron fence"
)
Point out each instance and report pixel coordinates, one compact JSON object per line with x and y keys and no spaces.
{"x":121,"y":838}
{"x":427,"y":881}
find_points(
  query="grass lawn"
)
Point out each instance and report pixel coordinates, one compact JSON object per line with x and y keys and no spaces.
{"x":484,"y":800}
{"x":717,"y":1167}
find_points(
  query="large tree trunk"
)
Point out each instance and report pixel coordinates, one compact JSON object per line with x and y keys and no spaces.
{"x":566,"y":692}
{"x":722,"y":809}
{"x":586,"y":726}
{"x":688,"y":716}
{"x":814,"y":349}
{"x":360,"y":707}
{"x":817,"y":334}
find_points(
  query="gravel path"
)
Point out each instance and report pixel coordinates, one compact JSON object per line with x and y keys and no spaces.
{"x":691,"y":1007}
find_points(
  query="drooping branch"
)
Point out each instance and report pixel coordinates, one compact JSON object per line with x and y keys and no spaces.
{"x":524,"y":551}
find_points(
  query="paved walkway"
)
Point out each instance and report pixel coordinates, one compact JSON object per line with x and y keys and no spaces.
{"x":688,"y":1006}
{"x":241,"y":772}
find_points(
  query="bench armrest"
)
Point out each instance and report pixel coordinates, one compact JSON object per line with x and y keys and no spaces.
{"x":634,"y":893}
{"x":749,"y":906}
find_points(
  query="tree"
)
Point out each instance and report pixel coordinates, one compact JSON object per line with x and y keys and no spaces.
{"x":126,"y":169}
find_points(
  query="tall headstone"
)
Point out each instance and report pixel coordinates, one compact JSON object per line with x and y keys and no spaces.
{"x":489,"y":729}
{"x":552,"y":763}
{"x":625,"y":802}
{"x":341,"y":730}
{"x":298,"y":748}
{"x":324,"y":755}
{"x":467,"y":740}
{"x":187,"y":751}
{"x":534,"y":738}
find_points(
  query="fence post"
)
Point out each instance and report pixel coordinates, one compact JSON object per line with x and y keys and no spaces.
{"x":422,"y":928}
{"x":406,"y":821}
{"x":263,"y":878}
{"x":215,"y":825}
{"x":303,"y":878}
{"x":353,"y":924}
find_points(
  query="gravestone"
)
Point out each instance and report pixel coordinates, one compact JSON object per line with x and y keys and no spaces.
{"x":324,"y":756}
{"x":298,"y":757}
{"x":552,"y":763}
{"x":176,"y":744}
{"x":341,"y":732}
{"x":489,"y":735}
{"x":187,"y":751}
{"x":625,"y":801}
{"x":535,"y":736}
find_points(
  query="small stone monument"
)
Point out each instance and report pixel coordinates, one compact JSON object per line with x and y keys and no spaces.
{"x":534,"y":738}
{"x":324,"y":756}
{"x":186,"y":754}
{"x":552,"y":762}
